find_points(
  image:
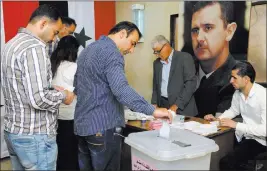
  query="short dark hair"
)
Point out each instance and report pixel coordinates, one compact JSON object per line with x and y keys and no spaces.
{"x":46,"y":10}
{"x":67,"y":50}
{"x":227,"y":9}
{"x":128,"y":26}
{"x":68,"y":21}
{"x":245,"y":69}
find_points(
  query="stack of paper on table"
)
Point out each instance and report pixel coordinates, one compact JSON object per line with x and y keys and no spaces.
{"x":196,"y":127}
{"x":130,"y":115}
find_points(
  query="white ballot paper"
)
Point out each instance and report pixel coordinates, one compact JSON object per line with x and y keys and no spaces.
{"x":196,"y":127}
{"x":165,"y":129}
{"x":173,"y":113}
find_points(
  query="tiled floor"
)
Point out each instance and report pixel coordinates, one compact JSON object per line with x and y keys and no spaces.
{"x":5,"y":164}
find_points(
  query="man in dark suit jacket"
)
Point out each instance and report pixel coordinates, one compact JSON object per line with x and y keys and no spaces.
{"x":212,"y":28}
{"x":174,"y":80}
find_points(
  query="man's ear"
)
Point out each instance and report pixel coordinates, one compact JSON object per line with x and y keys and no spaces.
{"x":123,"y":33}
{"x":42,"y":23}
{"x":247,"y":78}
{"x":231,"y":28}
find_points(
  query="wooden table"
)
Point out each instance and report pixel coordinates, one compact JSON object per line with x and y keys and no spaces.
{"x":224,"y":138}
{"x":138,"y":126}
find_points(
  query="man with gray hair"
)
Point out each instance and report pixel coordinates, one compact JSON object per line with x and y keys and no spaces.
{"x":174,"y":79}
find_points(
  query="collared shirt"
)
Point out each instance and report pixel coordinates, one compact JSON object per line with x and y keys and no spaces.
{"x":102,"y":89}
{"x":51,"y":47}
{"x":30,"y":107}
{"x":202,"y":74}
{"x":253,"y":112}
{"x":166,"y":67}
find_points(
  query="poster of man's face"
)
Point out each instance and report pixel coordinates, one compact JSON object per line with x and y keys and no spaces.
{"x":208,"y":27}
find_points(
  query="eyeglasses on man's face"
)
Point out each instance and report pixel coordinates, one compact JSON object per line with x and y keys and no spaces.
{"x":156,"y":52}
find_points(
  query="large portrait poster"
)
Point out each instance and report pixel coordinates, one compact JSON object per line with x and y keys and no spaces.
{"x":238,"y":44}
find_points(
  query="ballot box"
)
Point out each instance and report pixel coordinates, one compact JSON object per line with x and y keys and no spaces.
{"x":183,"y":150}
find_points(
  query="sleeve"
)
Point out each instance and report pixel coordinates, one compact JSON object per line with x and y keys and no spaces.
{"x":190,"y":82}
{"x":37,"y":83}
{"x":234,"y":110}
{"x":257,"y":129}
{"x":155,"y":91}
{"x":114,"y":71}
{"x":68,"y":76}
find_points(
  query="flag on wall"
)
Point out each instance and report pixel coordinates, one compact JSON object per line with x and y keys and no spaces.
{"x":85,"y":29}
{"x":93,"y":18}
{"x":83,"y":13}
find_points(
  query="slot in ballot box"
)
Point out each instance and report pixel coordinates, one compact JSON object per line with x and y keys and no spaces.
{"x":184,"y":150}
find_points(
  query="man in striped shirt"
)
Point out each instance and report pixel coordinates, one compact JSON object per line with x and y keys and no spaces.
{"x":102,"y":89}
{"x":31,"y":103}
{"x":68,"y":28}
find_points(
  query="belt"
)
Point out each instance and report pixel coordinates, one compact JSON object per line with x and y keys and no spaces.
{"x":165,"y":98}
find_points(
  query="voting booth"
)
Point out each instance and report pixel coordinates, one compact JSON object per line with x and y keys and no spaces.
{"x":183,"y":150}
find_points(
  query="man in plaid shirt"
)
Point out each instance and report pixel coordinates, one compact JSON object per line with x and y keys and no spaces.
{"x":31,"y":104}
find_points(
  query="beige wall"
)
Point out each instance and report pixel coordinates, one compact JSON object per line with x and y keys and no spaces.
{"x":139,"y":65}
{"x":257,"y":41}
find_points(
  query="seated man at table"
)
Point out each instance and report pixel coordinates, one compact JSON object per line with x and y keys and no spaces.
{"x":249,"y":100}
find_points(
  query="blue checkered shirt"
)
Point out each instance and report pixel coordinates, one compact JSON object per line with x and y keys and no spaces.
{"x":102,"y":89}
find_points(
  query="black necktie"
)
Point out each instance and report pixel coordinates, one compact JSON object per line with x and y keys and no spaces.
{"x":203,"y":79}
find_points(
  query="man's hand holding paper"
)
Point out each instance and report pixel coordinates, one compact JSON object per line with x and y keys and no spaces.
{"x":161,"y":113}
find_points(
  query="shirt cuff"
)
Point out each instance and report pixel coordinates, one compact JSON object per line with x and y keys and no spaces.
{"x":180,"y":104}
{"x":63,"y":95}
{"x":222,"y":116}
{"x":241,"y":127}
{"x":150,"y":109}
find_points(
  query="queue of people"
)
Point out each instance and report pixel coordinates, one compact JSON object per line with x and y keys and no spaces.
{"x":64,"y":111}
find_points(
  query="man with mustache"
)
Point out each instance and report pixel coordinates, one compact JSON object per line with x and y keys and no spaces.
{"x":102,"y":90}
{"x":249,"y":100}
{"x":212,"y":28}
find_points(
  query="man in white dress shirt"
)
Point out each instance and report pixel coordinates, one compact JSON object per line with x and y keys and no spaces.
{"x":249,"y":100}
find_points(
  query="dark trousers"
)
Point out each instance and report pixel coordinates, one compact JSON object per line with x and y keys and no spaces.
{"x":67,"y":146}
{"x":243,"y":155}
{"x":101,"y":151}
